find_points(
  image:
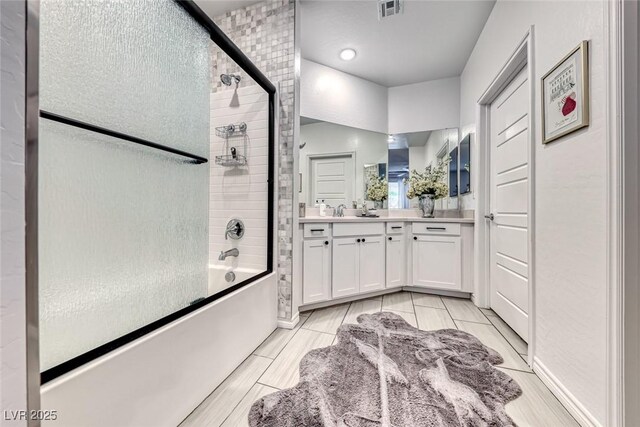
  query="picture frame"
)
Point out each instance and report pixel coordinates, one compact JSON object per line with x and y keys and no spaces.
{"x":565,"y":95}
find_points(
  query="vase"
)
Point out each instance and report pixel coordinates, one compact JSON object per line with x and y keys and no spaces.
{"x":427,"y":204}
{"x":378,"y":204}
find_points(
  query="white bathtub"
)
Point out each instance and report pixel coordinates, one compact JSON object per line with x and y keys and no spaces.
{"x":217,"y":272}
{"x":173,"y":368}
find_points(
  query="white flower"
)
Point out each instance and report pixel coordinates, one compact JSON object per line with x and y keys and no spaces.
{"x":431,"y":181}
{"x":377,"y":189}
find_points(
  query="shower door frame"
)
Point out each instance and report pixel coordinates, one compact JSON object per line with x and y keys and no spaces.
{"x":35,"y":378}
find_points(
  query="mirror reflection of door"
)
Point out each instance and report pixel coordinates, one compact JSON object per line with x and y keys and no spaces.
{"x":331,"y":179}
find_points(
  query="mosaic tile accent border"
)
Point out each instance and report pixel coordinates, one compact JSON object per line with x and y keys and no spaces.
{"x":265,"y":33}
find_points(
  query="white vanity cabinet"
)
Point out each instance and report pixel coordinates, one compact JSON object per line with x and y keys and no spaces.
{"x":396,"y":259}
{"x":371,"y":260}
{"x":346,"y":267}
{"x":342,"y":260}
{"x":316,"y":271}
{"x":437,"y":262}
{"x":358,"y":264}
{"x":437,"y":255}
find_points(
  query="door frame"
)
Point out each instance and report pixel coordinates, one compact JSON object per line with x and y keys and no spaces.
{"x":312,"y":157}
{"x":521,"y":57}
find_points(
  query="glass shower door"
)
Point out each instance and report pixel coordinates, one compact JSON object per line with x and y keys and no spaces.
{"x":123,"y":226}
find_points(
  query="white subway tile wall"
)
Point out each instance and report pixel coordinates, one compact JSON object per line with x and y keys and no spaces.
{"x":240,"y":191}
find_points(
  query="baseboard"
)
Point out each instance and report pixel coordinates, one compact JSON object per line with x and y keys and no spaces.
{"x":474,"y":299}
{"x":568,"y":400}
{"x":289,"y":324}
{"x":323,"y":304}
{"x":442,"y":292}
{"x":434,"y":291}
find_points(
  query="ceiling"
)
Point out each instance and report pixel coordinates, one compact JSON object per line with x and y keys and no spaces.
{"x":215,"y":8}
{"x":430,"y":40}
{"x":406,"y":140}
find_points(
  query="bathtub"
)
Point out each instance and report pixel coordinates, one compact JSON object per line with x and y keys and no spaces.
{"x":173,"y":368}
{"x":218,"y":282}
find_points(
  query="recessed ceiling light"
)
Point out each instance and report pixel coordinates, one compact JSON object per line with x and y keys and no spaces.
{"x":347,"y":54}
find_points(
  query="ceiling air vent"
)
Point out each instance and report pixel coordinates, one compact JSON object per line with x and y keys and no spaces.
{"x":387,"y":8}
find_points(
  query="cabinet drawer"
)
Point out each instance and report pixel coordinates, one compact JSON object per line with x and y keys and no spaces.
{"x":395,"y":227}
{"x":436,"y":228}
{"x":358,"y":229}
{"x":316,"y":230}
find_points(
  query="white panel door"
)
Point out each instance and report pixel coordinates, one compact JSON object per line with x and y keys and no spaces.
{"x":437,"y":262}
{"x":396,"y":261}
{"x":332,"y":179}
{"x":510,"y":204}
{"x":372,"y":263}
{"x":316,"y":271}
{"x":346,"y":265}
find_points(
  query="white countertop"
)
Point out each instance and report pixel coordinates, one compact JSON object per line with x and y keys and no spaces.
{"x":350,"y":219}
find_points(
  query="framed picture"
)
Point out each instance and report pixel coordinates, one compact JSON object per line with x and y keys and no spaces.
{"x":565,"y":95}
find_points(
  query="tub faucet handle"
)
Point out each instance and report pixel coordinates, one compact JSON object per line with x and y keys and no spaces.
{"x":235,"y":229}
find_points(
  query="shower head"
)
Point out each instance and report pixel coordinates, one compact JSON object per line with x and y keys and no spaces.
{"x":227,"y":79}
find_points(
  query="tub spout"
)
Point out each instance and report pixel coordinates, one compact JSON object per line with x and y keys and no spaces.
{"x":231,"y":252}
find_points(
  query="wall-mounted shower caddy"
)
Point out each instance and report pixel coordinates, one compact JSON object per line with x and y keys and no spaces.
{"x":226,"y":132}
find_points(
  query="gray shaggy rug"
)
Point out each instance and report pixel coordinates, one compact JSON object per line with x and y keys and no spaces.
{"x":384,"y":372}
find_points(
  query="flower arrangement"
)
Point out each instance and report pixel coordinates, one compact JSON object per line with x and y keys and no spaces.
{"x":377,"y":189}
{"x":431,"y":181}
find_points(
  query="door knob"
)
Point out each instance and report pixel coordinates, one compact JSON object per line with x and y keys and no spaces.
{"x":490,"y":217}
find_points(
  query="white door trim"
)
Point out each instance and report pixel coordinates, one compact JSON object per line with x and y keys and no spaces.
{"x":616,"y":205}
{"x":628,"y":405}
{"x":521,"y":57}
{"x":312,"y":157}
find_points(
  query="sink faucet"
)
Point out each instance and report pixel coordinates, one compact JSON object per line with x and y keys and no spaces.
{"x":339,"y":211}
{"x":231,"y":252}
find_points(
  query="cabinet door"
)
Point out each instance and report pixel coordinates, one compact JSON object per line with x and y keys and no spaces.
{"x":372,"y":264}
{"x":345,"y":267}
{"x":316,"y":276}
{"x":437,"y":262}
{"x":396,"y":261}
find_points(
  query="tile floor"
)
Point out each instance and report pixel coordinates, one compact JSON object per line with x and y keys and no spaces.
{"x":274,"y":364}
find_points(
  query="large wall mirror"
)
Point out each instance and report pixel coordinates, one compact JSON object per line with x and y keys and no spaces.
{"x":338,"y":163}
{"x":419,"y":151}
{"x":345,"y":165}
